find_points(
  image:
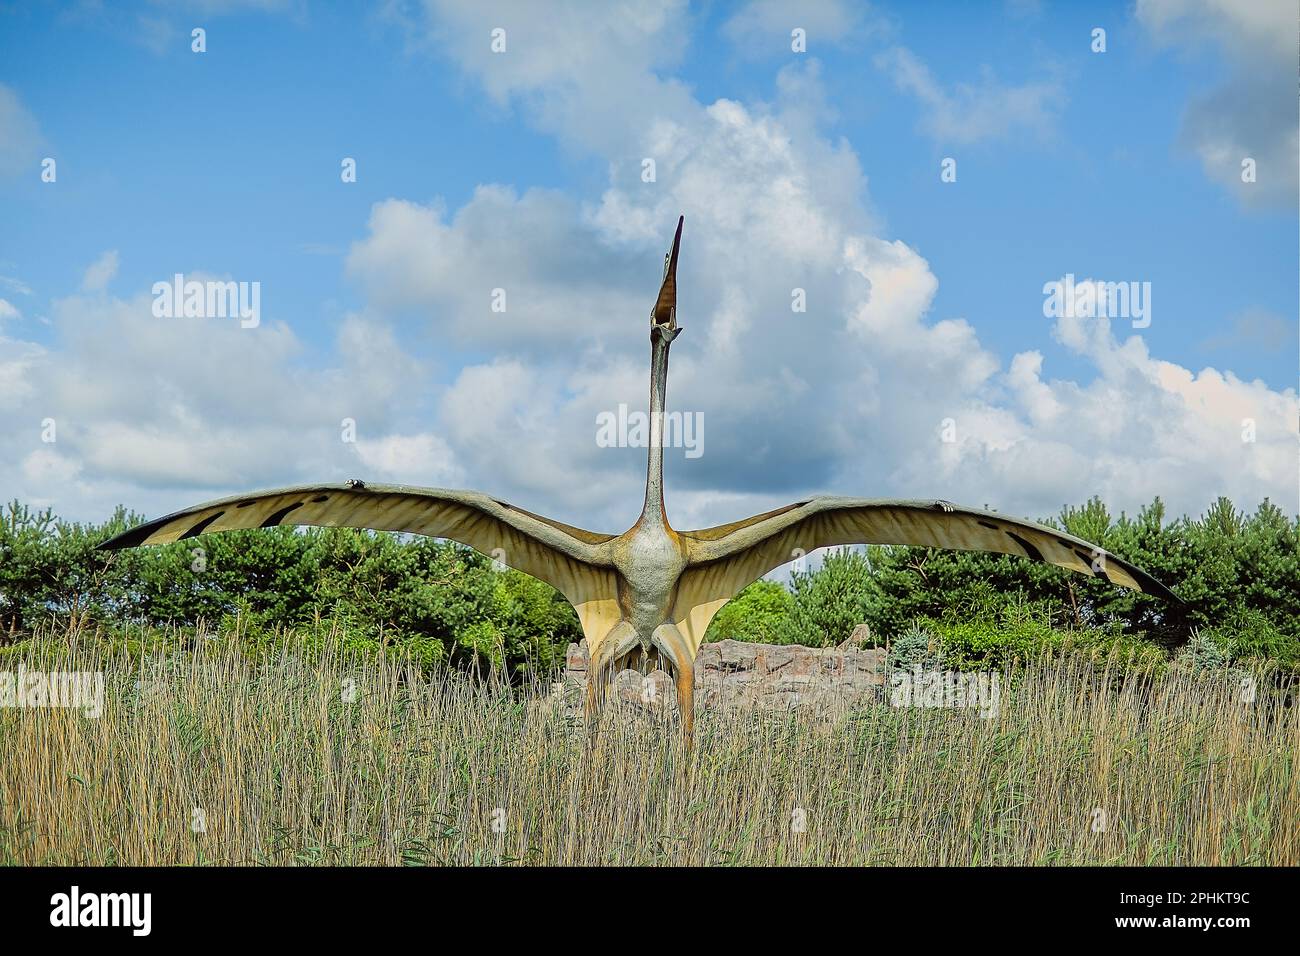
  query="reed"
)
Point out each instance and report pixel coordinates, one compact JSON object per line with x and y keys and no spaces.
{"x":212,"y":755}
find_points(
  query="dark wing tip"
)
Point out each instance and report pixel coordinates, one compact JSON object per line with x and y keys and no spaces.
{"x":132,"y":538}
{"x":1151,"y":586}
{"x":1146,"y":583}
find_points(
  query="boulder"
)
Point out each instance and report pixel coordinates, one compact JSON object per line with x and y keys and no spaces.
{"x":741,"y":674}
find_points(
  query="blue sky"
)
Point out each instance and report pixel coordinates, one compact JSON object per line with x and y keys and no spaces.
{"x":1105,"y":165}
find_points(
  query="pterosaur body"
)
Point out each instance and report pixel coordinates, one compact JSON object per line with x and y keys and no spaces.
{"x":647,"y":595}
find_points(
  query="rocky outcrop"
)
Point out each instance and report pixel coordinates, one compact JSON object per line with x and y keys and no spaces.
{"x":741,"y":674}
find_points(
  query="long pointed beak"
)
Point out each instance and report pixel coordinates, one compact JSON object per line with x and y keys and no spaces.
{"x":665,"y":310}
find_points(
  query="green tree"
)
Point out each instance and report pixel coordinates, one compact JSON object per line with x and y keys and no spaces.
{"x":760,"y":613}
{"x":830,"y":602}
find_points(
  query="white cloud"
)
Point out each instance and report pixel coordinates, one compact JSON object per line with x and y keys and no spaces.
{"x":847,"y":397}
{"x":970,"y":112}
{"x":160,"y":412}
{"x":20,"y":136}
{"x":589,"y":73}
{"x":768,"y":211}
{"x":100,"y":272}
{"x":1143,"y":427}
{"x":423,"y":459}
{"x":763,"y":27}
{"x":1261,"y":28}
{"x":17,"y":361}
{"x":8,"y":310}
{"x":46,"y":466}
{"x":1252,"y":113}
{"x":553,"y":295}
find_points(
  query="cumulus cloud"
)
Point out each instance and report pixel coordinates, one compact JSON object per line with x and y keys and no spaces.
{"x":145,"y":409}
{"x":17,"y":360}
{"x":594,"y":75}
{"x":424,"y":459}
{"x":482,"y":276}
{"x":848,"y":397}
{"x":1143,"y":427}
{"x":1252,"y":113}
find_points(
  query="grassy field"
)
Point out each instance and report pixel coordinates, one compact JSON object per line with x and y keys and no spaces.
{"x":216,"y":757}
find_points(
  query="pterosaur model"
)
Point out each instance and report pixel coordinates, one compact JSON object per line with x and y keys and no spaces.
{"x":645,"y":596}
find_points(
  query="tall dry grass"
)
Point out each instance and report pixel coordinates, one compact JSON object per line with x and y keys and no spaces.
{"x":210,"y":757}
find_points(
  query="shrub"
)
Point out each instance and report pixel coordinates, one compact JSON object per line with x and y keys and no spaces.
{"x":1206,"y":652}
{"x":996,"y":637}
{"x":915,"y":647}
{"x":1249,"y":633}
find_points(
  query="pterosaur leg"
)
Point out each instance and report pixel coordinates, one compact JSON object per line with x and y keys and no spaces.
{"x":674,"y":646}
{"x":600,"y":670}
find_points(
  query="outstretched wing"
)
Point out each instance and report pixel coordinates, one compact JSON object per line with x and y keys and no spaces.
{"x":569,"y":559}
{"x":726,"y":558}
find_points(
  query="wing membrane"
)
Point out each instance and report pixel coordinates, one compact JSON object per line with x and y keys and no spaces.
{"x":727,"y":558}
{"x":571,"y":560}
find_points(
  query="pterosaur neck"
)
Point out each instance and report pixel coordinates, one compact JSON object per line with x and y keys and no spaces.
{"x":661,"y":339}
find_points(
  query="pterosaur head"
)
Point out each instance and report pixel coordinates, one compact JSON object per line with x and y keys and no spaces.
{"x":664,"y":314}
